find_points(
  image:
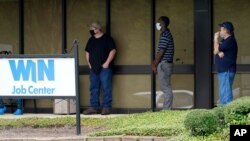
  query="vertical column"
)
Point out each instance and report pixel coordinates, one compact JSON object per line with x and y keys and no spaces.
{"x":64,"y":26}
{"x":21,"y":26}
{"x":153,"y":84}
{"x":203,"y":54}
{"x":108,"y":17}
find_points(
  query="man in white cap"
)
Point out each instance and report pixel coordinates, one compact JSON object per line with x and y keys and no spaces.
{"x":100,"y":52}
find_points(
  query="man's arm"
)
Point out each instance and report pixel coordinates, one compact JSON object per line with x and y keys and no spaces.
{"x":110,"y":58}
{"x":87,"y":59}
{"x":216,"y":45}
{"x":157,"y":60}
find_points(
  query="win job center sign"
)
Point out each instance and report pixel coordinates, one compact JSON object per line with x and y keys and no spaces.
{"x":37,"y":77}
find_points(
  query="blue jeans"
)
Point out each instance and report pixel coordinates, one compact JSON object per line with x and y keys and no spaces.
{"x":97,"y":81}
{"x":225,"y":87}
{"x":19,"y":103}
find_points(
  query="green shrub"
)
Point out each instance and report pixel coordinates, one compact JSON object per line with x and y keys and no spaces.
{"x":219,"y":112}
{"x":201,"y":122}
{"x":237,"y":111}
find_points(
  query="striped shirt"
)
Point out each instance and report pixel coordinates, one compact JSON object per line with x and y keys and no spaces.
{"x":166,"y":42}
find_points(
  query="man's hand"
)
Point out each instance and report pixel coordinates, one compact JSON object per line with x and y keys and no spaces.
{"x":216,"y":35}
{"x":154,"y":68}
{"x":105,"y":65}
{"x":87,"y":59}
{"x":157,"y":60}
{"x":89,"y":66}
{"x":221,"y":54}
{"x":110,"y":58}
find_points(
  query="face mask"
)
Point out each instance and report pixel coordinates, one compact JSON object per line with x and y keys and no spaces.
{"x":158,"y":26}
{"x":221,"y":35}
{"x":92,"y":32}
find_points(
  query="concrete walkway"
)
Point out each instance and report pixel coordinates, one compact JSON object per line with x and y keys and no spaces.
{"x":11,"y":116}
{"x":81,"y":138}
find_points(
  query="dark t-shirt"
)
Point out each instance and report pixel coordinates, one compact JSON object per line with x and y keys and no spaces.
{"x":99,"y":49}
{"x":228,"y":62}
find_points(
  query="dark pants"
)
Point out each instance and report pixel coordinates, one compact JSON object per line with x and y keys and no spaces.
{"x":19,"y":103}
{"x":97,"y":81}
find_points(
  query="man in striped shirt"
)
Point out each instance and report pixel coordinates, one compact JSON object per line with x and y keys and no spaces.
{"x":163,"y":63}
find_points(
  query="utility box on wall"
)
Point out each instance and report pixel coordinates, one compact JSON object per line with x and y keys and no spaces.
{"x":64,"y":106}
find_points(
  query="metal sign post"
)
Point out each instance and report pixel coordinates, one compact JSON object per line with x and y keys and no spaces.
{"x":78,"y":116}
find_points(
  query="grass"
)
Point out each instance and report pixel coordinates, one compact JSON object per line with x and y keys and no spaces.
{"x":164,"y":123}
{"x":147,"y":124}
{"x":37,"y":122}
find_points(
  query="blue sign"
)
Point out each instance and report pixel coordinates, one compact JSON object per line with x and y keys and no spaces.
{"x":36,"y":70}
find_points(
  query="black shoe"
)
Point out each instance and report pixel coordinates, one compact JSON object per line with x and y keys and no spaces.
{"x":106,"y":111}
{"x":90,"y":111}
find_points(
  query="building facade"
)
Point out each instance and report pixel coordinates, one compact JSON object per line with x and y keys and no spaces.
{"x":50,"y":26}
